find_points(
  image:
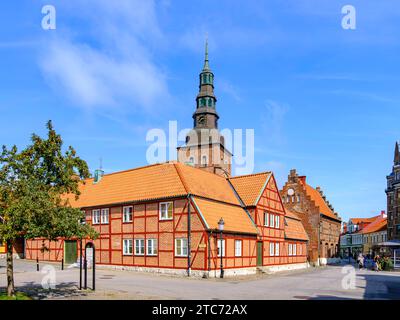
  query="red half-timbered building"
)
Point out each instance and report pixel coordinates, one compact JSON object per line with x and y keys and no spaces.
{"x":142,"y":216}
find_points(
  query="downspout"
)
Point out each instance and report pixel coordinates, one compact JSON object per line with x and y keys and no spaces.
{"x":209,"y":251}
{"x":319,"y":239}
{"x":189,"y":236}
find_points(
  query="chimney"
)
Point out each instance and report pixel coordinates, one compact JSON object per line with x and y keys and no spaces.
{"x":303,"y":179}
{"x":98,"y":174}
{"x":383,"y":214}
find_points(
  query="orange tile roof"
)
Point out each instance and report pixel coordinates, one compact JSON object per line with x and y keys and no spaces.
{"x":379,"y":224}
{"x":152,"y":182}
{"x":167,"y":180}
{"x":363,"y":220}
{"x":250,"y":187}
{"x":292,"y":214}
{"x":294,"y":229}
{"x":235,"y":218}
{"x":144,"y":183}
{"x":320,"y":202}
{"x":206,"y":184}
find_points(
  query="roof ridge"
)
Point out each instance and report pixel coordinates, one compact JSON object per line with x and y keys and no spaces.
{"x":185,"y":186}
{"x":251,"y":175}
{"x":133,"y":169}
{"x":200,"y":170}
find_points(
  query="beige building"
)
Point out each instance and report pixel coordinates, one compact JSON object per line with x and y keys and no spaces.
{"x":374,"y":234}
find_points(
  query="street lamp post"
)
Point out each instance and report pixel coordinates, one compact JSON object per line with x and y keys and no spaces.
{"x":221,"y":225}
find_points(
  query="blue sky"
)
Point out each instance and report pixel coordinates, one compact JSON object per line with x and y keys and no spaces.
{"x":321,"y":99}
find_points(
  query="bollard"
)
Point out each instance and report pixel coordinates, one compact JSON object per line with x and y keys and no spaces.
{"x":62,"y":264}
{"x":37,"y":264}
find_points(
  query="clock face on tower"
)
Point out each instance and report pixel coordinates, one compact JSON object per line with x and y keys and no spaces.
{"x":290,"y":192}
{"x":202,"y":120}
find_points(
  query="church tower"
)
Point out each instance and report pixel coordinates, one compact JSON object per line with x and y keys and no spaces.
{"x":393,"y":197}
{"x":204,"y":146}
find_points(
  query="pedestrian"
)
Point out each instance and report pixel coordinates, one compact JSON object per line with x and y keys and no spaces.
{"x":360,"y":261}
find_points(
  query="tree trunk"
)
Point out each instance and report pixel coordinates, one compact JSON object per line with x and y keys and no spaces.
{"x":10,"y":270}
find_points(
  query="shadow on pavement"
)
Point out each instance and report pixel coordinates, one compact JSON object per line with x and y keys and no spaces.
{"x":63,"y":290}
{"x":382,"y":285}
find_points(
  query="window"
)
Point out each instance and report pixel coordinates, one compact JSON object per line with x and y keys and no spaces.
{"x":238,"y":248}
{"x":271,"y":249}
{"x":104,"y":216}
{"x":277,"y":222}
{"x":128,"y":214}
{"x":127,"y":247}
{"x":139,"y":247}
{"x":271,"y":220}
{"x":295,"y":249}
{"x":96,"y":216}
{"x":277,"y":249}
{"x":290,"y":249}
{"x":151,"y":247}
{"x":266,"y":219}
{"x":181,"y":247}
{"x":298,"y":198}
{"x":300,"y":250}
{"x":204,"y":161}
{"x":219,"y":247}
{"x":166,"y":209}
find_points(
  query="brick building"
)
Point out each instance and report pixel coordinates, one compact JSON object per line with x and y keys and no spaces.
{"x":393,"y":197}
{"x":164,"y":217}
{"x":319,"y":219}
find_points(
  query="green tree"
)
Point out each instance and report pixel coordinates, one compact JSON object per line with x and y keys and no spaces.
{"x":34,"y":183}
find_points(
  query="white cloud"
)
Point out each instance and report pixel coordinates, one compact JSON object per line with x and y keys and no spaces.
{"x":114,"y":66}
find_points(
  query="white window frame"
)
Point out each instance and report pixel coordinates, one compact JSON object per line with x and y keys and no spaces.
{"x":272,"y":221}
{"x":277,"y":249}
{"x":266,"y":219}
{"x":277,"y":223}
{"x":295,"y":249}
{"x":162,"y":204}
{"x":151,"y":249}
{"x":238,"y":248}
{"x":180,"y":245}
{"x":127,"y":247}
{"x":96,"y":216}
{"x":138,"y":245}
{"x":128,"y":215}
{"x":219,"y":247}
{"x":290,"y":249}
{"x":105,"y":213}
{"x":272,"y":249}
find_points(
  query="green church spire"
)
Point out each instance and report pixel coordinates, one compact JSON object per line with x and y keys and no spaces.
{"x":206,"y":62}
